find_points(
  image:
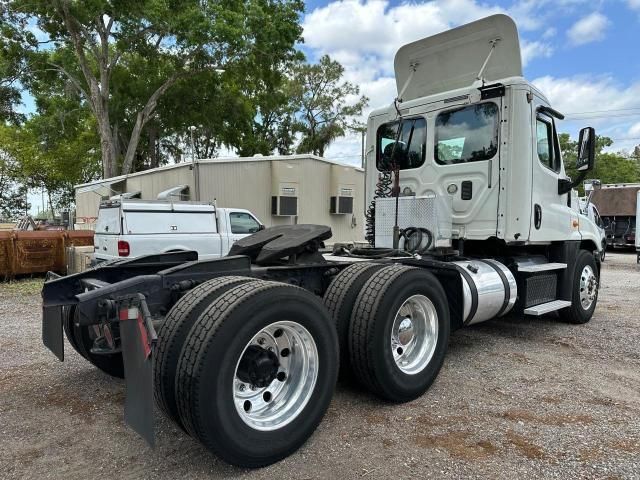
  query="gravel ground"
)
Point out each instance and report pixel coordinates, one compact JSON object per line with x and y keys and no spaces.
{"x":516,"y":398}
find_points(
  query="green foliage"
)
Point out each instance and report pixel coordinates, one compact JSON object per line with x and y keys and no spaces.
{"x":610,"y":167}
{"x":129,"y":61}
{"x":54,"y":150}
{"x":13,"y":193}
{"x":325,"y":110}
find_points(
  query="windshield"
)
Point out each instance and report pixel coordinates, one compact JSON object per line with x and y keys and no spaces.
{"x":410,"y":149}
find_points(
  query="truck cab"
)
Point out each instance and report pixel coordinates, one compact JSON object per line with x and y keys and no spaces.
{"x":479,"y":139}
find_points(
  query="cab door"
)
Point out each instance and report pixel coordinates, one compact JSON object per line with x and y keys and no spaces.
{"x":551,"y":216}
{"x":467,"y":157}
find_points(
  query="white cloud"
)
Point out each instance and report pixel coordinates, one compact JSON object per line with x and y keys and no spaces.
{"x":602,"y":103}
{"x":584,"y":94}
{"x":531,"y":50}
{"x":588,"y":29}
{"x":375,"y":29}
{"x":363,"y":35}
{"x":634,"y":4}
{"x":634,"y":131}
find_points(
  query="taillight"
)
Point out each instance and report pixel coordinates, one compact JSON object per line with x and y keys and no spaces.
{"x":123,"y":248}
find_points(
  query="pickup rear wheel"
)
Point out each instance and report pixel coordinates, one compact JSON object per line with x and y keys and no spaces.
{"x":399,"y":332}
{"x":257,"y":372}
{"x":172,"y":334}
{"x":81,"y":339}
{"x":340,"y":299}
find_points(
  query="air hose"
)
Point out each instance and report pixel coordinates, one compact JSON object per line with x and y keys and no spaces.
{"x":383,"y":189}
{"x":414,"y":243}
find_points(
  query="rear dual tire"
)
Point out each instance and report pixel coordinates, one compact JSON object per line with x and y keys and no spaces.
{"x":81,"y":340}
{"x":173,"y":333}
{"x":340,"y":299}
{"x":399,"y":332}
{"x":208,"y":395}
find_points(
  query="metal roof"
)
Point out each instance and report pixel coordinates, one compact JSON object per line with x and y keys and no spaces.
{"x":221,"y":160}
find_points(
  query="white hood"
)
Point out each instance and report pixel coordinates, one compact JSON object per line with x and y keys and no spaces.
{"x":453,"y":59}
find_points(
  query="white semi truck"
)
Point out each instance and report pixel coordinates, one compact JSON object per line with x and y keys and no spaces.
{"x":470,"y":219}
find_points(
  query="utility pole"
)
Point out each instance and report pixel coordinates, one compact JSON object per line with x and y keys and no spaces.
{"x":362,"y":152}
{"x":195,"y":166}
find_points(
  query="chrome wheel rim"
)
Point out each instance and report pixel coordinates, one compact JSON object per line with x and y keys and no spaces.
{"x":588,"y":287}
{"x":276,"y":400}
{"x":414,"y":334}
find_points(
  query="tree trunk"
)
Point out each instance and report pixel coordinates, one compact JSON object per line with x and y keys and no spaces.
{"x":153,"y":154}
{"x":141,"y":119}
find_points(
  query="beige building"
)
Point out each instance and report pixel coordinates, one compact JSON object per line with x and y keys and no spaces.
{"x":279,"y":190}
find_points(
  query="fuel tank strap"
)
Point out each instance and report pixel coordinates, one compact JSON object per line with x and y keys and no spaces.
{"x":505,"y":282}
{"x":474,"y":293}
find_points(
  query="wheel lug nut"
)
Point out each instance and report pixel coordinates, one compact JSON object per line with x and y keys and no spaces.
{"x":261,"y":341}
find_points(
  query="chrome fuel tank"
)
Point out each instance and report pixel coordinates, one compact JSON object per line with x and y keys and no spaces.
{"x":489,"y":289}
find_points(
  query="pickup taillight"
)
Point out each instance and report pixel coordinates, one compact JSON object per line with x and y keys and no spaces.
{"x":123,"y":248}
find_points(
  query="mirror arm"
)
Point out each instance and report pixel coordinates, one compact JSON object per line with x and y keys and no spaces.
{"x":566,"y":185}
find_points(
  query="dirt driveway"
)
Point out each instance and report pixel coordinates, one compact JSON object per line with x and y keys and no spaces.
{"x":516,"y":398}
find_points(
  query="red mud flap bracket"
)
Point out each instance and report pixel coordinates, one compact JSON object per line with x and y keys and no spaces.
{"x":138,"y":338}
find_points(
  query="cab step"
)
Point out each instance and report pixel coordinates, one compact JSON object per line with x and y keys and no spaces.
{"x":546,"y":307}
{"x":542,"y":267}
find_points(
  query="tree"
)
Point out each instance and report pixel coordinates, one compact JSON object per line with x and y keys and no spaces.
{"x":12,"y":63}
{"x":13,"y":193}
{"x":53,"y":151}
{"x":326,"y":107}
{"x":163,"y":42}
{"x":610,"y":167}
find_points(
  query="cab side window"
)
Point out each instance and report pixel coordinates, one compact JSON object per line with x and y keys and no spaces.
{"x":545,"y":139}
{"x":243,"y":223}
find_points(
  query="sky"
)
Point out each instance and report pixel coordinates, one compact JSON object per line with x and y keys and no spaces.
{"x":583,"y":55}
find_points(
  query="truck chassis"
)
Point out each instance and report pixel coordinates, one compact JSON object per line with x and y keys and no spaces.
{"x":243,"y":352}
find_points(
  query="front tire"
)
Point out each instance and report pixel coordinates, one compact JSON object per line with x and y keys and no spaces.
{"x":231,"y":391}
{"x":585,"y":289}
{"x":399,"y":332}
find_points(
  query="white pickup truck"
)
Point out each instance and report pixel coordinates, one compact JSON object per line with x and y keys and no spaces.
{"x":130,"y":228}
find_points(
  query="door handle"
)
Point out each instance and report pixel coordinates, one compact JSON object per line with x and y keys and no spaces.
{"x":537,"y":216}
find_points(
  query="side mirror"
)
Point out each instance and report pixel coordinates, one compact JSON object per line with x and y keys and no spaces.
{"x":261,"y":227}
{"x":586,"y":150}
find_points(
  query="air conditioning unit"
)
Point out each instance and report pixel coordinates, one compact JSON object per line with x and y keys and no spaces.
{"x":342,"y":189}
{"x":285,"y":188}
{"x":285,"y":204}
{"x":342,"y":203}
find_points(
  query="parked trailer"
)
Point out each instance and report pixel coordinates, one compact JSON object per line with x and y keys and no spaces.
{"x":243,"y":352}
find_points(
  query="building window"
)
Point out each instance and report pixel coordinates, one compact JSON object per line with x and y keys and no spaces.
{"x":467,"y":134}
{"x":243,"y":223}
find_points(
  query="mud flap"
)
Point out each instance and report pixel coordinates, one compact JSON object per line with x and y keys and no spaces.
{"x":52,"y":330}
{"x":137,"y":336}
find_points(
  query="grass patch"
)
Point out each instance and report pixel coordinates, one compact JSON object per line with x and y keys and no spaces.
{"x":26,"y":286}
